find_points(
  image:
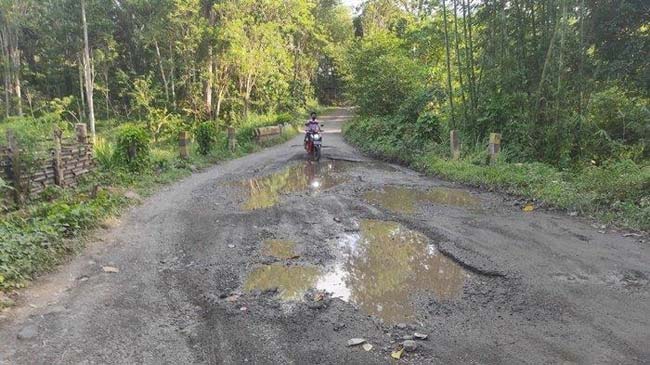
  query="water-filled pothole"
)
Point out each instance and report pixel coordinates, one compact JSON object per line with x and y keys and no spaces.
{"x":405,"y":200}
{"x":382,"y":269}
{"x":265,"y":191}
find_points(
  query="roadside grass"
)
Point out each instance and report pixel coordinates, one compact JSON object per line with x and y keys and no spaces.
{"x":616,"y":192}
{"x":41,"y":235}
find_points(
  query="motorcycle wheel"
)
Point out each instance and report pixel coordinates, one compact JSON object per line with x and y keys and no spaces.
{"x":316,"y":153}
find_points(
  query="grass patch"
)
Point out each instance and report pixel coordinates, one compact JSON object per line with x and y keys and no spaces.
{"x":615,"y":192}
{"x":38,"y":237}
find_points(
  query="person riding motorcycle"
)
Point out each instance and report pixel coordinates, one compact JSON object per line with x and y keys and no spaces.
{"x":312,"y":126}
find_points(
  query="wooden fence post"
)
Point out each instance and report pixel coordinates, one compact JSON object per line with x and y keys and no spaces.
{"x":56,"y":160}
{"x":232,"y":139}
{"x":455,"y":144}
{"x":494,"y":147}
{"x":183,"y":143}
{"x":82,"y":133}
{"x":15,"y":168}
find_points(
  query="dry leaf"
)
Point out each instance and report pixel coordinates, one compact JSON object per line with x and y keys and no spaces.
{"x":397,"y":354}
{"x":528,"y":208}
{"x":110,"y":269}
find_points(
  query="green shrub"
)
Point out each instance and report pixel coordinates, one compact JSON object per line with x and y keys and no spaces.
{"x":132,"y":147}
{"x":206,"y":136}
{"x":104,"y":153}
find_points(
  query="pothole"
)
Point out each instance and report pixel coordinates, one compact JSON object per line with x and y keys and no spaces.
{"x":382,"y":269}
{"x":405,"y":200}
{"x":265,"y":191}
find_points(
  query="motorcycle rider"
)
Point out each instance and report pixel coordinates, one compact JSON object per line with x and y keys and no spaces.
{"x":313,"y":126}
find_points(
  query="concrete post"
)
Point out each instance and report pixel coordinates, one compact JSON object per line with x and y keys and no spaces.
{"x":183,"y":143}
{"x":494,"y":147}
{"x":455,"y":144}
{"x":232,"y":139}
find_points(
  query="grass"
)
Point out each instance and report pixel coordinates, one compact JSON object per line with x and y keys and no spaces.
{"x":616,"y":192}
{"x":41,"y":235}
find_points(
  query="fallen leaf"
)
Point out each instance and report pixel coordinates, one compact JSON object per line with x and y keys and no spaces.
{"x":319,"y":296}
{"x":356,"y":341}
{"x":528,"y":208}
{"x":397,"y":354}
{"x":110,"y":269}
{"x":367,"y":346}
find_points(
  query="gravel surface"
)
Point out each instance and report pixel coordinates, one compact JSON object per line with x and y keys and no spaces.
{"x":273,"y":259}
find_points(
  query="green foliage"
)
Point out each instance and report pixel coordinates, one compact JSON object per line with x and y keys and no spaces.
{"x":616,"y":191}
{"x":206,"y":136}
{"x":383,"y":75}
{"x":34,"y":240}
{"x":132,"y":147}
{"x":105,"y":154}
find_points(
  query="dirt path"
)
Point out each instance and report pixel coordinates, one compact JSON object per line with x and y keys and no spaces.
{"x":231,"y":266}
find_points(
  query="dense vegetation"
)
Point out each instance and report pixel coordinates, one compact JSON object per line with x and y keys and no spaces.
{"x":566,"y":82}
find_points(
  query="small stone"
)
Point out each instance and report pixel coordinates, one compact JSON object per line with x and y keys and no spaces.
{"x":337,"y":220}
{"x":110,"y":269}
{"x":338,"y":326}
{"x":410,"y":345}
{"x":401,"y":326}
{"x":28,"y":332}
{"x":132,"y":195}
{"x":367,"y":346}
{"x":243,"y":309}
{"x":231,"y":246}
{"x":356,"y":341}
{"x":408,"y":337}
{"x":420,"y":336}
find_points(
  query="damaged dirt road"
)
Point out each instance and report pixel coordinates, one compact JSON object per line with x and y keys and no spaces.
{"x":271,"y":259}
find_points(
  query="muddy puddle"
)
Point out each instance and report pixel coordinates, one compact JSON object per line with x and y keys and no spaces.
{"x":381,"y":269}
{"x":282,"y":249}
{"x":405,"y":200}
{"x":265,"y":191}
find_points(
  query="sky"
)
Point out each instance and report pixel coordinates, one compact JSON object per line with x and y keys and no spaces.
{"x":352,"y":3}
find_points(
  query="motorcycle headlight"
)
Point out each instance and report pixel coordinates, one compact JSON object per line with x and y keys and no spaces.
{"x":316,"y":136}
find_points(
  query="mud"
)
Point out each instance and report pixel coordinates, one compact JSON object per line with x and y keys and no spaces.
{"x":269,"y":259}
{"x":406,"y":200}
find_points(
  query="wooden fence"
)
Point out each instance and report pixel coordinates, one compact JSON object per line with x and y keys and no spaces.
{"x":62,"y":165}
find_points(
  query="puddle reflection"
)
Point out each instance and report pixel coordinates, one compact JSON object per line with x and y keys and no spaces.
{"x":380,"y":269}
{"x":265,"y":191}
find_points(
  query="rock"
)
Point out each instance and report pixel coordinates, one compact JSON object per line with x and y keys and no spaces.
{"x":410,"y":345}
{"x":110,"y":269}
{"x":132,"y":195}
{"x":367,"y":346}
{"x":356,"y":341}
{"x":420,"y":336}
{"x":231,"y":246}
{"x":401,"y":326}
{"x":338,"y":326}
{"x":337,"y":220}
{"x":408,"y":337}
{"x":28,"y":332}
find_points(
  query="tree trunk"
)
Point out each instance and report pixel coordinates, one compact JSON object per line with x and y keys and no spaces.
{"x":82,"y":96}
{"x":172,"y":73}
{"x":208,"y":83}
{"x":6,"y":70}
{"x":460,"y":66}
{"x":162,"y":70}
{"x":88,"y":73}
{"x":15,"y":61}
{"x":451,"y":96}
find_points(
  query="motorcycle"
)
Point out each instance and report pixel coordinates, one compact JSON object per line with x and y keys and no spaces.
{"x":314,"y":145}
